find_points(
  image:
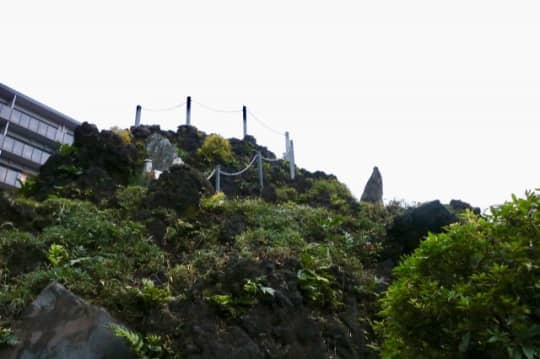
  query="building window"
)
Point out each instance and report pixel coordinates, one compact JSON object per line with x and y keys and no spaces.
{"x":8,"y":144}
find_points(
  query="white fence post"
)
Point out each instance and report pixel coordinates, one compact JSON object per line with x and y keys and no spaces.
{"x":218,"y":178}
{"x":260,"y":165}
{"x":291,"y":160}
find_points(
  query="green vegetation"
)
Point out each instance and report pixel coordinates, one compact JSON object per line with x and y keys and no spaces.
{"x":216,"y":150}
{"x":301,"y":268}
{"x":473,"y":290}
{"x":7,"y":338}
{"x":144,"y":346}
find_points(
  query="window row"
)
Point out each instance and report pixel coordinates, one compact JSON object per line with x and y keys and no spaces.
{"x":24,"y":150}
{"x":11,"y":177}
{"x":37,"y":126}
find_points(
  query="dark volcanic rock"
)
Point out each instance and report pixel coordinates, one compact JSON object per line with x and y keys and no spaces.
{"x":60,"y":325}
{"x":90,"y":169}
{"x":409,"y":229}
{"x":189,"y":138}
{"x":460,"y":206}
{"x":181,"y":188}
{"x":279,"y":326}
{"x":373,"y":192}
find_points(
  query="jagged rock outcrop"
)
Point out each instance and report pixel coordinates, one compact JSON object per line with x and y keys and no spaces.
{"x":161,"y":151}
{"x":279,"y":327}
{"x":91,"y":168}
{"x":373,"y":192}
{"x":409,"y":229}
{"x":460,"y":206}
{"x":180,"y":188}
{"x":59,"y":325}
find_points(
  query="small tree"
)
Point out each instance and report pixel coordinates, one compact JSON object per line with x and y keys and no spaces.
{"x":216,"y":150}
{"x":472,"y":292}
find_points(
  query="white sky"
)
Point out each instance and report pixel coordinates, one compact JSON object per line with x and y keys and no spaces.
{"x":443,"y":96}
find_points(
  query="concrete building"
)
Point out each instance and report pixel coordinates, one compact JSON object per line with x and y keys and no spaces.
{"x":30,"y":133}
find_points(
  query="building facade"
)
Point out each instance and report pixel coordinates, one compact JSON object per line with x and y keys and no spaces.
{"x":30,"y":132}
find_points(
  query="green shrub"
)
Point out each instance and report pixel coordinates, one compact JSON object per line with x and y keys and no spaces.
{"x":149,"y":295}
{"x":331,"y":194}
{"x":7,"y":338}
{"x":20,"y":252}
{"x":124,"y":135}
{"x":317,"y":288}
{"x":473,"y":291}
{"x":214,"y":201}
{"x":216,"y":150}
{"x":130,"y":199}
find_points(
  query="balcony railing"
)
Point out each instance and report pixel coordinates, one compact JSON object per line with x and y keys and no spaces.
{"x":35,"y":125}
{"x":23,"y":150}
{"x":11,"y":177}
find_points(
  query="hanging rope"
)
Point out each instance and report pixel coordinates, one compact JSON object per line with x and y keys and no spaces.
{"x":271,"y":159}
{"x":210,"y":108}
{"x":209,"y":177}
{"x":164,"y":109}
{"x":241,"y":171}
{"x":265,"y":125}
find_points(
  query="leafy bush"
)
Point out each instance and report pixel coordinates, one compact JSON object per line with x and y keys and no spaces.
{"x":331,"y":194}
{"x":253,"y":291}
{"x":124,"y":135}
{"x":7,"y":337}
{"x":215,"y":150}
{"x":473,"y":291}
{"x":130,"y":199}
{"x":214,"y":201}
{"x":149,"y":295}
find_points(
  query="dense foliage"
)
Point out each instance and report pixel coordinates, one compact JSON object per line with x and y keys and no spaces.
{"x":300,"y":270}
{"x":473,"y":291}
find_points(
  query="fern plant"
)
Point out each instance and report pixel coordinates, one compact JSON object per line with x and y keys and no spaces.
{"x":57,"y":254}
{"x":144,"y":346}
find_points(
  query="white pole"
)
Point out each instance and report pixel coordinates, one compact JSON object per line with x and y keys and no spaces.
{"x":291,"y":160}
{"x":287,"y":144}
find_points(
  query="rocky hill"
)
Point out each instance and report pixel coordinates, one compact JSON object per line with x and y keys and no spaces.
{"x":98,"y":259}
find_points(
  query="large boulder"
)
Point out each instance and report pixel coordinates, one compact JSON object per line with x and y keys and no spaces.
{"x":459,"y":206}
{"x":60,"y":325}
{"x":373,"y":192}
{"x":409,"y":229}
{"x":180,"y":188}
{"x":162,"y":152}
{"x":90,"y":169}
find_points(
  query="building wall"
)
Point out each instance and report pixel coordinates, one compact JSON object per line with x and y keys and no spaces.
{"x":30,"y":132}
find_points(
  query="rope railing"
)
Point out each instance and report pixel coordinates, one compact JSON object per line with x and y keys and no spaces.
{"x":217,"y":172}
{"x":263,"y":124}
{"x":209,"y":177}
{"x":233,"y":174}
{"x":214,"y":109}
{"x":164,"y":109}
{"x":271,"y":159}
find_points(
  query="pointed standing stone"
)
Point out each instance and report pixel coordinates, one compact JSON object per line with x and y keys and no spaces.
{"x":373,"y":192}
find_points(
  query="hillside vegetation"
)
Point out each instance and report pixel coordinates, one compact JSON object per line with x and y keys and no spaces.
{"x":301,"y":270}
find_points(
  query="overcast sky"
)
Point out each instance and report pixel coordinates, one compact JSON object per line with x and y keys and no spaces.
{"x":442,"y":96}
